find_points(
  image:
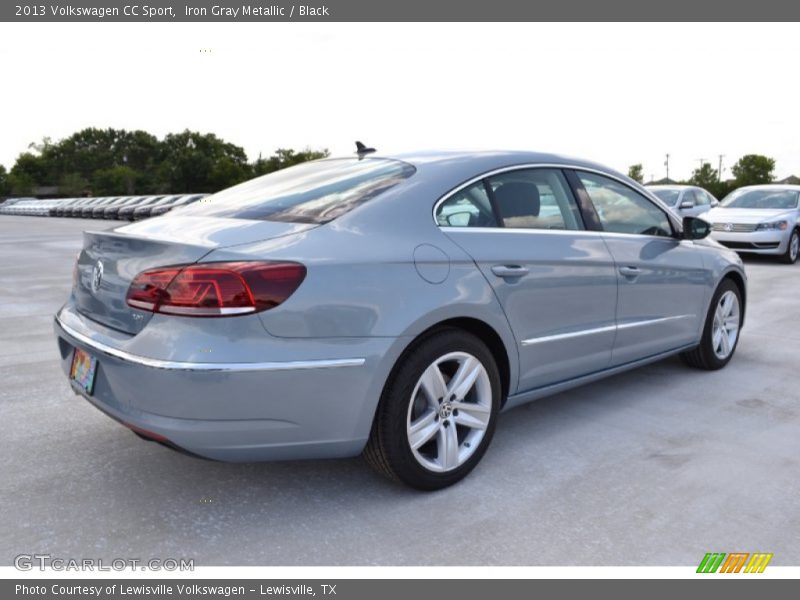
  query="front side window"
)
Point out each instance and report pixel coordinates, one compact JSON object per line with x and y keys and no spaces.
{"x":623,"y":210}
{"x":689,"y":196}
{"x":702,"y":198}
{"x":313,"y":192}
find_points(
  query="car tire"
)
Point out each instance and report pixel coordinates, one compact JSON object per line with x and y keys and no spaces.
{"x":721,"y":331}
{"x":452,"y":430}
{"x":792,"y":249}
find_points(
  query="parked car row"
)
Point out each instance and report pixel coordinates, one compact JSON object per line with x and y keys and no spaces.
{"x":758,"y":219}
{"x":28,"y":206}
{"x":130,"y":208}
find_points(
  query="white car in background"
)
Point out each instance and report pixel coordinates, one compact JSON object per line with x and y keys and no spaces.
{"x":762,"y":219}
{"x":686,"y":200}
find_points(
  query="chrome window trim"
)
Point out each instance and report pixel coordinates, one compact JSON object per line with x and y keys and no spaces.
{"x":156,"y":363}
{"x":647,"y":194}
{"x":572,"y":232}
{"x":596,"y":330}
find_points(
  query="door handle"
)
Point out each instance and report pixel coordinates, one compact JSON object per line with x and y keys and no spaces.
{"x":630,"y":272}
{"x":509,"y":271}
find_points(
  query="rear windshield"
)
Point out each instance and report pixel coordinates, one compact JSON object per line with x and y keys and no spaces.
{"x":313,"y":192}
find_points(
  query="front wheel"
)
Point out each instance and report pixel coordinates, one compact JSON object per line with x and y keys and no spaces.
{"x":721,"y":331}
{"x":437,"y":414}
{"x":790,"y":256}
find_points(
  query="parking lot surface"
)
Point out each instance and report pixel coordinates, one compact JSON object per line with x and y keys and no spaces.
{"x":654,"y":467}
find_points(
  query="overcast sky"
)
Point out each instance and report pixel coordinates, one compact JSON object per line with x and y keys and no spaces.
{"x":617,"y":94}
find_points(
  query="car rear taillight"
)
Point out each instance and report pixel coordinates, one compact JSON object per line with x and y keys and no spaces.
{"x":215,"y":289}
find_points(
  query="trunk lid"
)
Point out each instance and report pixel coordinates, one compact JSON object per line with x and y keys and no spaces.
{"x":110,"y":260}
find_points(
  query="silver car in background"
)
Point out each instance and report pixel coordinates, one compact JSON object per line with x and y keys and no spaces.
{"x":686,"y":200}
{"x":759,"y":219}
{"x":389,"y":305}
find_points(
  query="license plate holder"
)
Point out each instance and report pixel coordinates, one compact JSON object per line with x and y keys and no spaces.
{"x":83,"y":371}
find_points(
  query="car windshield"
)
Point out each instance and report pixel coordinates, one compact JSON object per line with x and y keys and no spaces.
{"x":761,"y":199}
{"x":669,"y":197}
{"x":313,"y":192}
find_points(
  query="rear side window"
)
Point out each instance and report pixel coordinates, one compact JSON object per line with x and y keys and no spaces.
{"x":469,"y":207}
{"x":535,"y":199}
{"x":314,"y":192}
{"x":519,"y":199}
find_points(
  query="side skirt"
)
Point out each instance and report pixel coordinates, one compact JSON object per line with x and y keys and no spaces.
{"x":554,"y":388}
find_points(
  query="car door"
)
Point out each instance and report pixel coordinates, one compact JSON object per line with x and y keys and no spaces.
{"x":662,"y":279}
{"x":555,"y":281}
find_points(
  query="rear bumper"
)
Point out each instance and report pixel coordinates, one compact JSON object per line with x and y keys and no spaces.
{"x":237,"y":411}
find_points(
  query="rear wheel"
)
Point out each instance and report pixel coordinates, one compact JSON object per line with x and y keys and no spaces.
{"x":437,"y":414}
{"x":792,"y":250}
{"x":721,"y":331}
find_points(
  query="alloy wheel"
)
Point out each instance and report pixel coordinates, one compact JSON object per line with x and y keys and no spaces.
{"x":726,"y":325}
{"x":449,"y":411}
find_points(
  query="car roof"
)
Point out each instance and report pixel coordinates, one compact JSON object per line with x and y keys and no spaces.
{"x":450,"y":167}
{"x":670,"y":187}
{"x":487,"y":158}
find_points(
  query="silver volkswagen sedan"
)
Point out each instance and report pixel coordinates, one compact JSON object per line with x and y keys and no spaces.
{"x":761,"y":219}
{"x":390,"y":306}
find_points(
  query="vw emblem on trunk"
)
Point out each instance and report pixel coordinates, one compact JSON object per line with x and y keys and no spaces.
{"x":728,"y":226}
{"x":97,"y":276}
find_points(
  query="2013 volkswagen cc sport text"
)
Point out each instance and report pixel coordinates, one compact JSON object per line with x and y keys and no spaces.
{"x":389,"y":305}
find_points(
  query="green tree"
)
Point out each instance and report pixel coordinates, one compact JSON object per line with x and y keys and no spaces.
{"x":753,"y":169}
{"x":189,"y":159}
{"x":72,"y":184}
{"x":286,"y":157}
{"x":704,"y":177}
{"x":30,"y":171}
{"x":5,"y":185}
{"x":116,"y":161}
{"x":21,"y":184}
{"x":119,"y":180}
{"x":636,"y":172}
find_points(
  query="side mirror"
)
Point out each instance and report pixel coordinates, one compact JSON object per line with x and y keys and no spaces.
{"x":695,"y":229}
{"x":459,"y":219}
{"x":686,"y":204}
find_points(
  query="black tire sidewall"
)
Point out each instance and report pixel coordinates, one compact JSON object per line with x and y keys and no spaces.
{"x":393,"y":411}
{"x":787,"y":258}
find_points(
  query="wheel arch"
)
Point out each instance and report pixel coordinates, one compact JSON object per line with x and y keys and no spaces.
{"x":486,"y":333}
{"x":738,"y":280}
{"x":480,"y":329}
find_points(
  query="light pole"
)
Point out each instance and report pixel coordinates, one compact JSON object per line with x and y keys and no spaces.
{"x":128,"y":183}
{"x":666,"y":164}
{"x":719,"y":171}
